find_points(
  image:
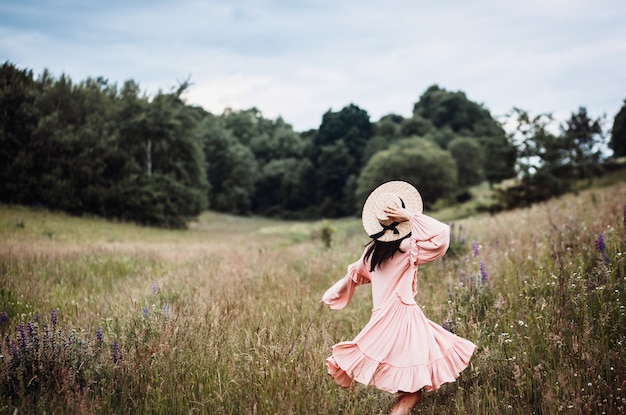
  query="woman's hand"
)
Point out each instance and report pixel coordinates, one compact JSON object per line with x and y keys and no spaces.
{"x":397,"y":213}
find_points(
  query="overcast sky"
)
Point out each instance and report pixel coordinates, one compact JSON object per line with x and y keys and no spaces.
{"x":299,"y":59}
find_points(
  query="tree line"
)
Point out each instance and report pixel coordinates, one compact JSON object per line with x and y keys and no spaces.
{"x":95,"y":148}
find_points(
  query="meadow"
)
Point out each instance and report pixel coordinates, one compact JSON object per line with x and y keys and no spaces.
{"x":224,"y":317}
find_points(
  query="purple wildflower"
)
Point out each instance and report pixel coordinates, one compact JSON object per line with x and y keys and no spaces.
{"x":601,"y":247}
{"x":54,"y":317}
{"x":476,"y":248}
{"x":3,"y":317}
{"x":31,"y":329}
{"x":13,"y":351}
{"x":99,"y":334}
{"x":146,"y":312}
{"x":483,"y":273}
{"x":47,"y":337}
{"x":22,"y":332}
{"x":154,"y":288}
{"x":116,"y":352}
{"x":462,"y":276}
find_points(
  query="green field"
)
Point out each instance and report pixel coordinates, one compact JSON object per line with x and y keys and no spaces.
{"x":224,"y":318}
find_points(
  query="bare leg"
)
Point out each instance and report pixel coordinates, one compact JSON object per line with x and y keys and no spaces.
{"x":405,"y":402}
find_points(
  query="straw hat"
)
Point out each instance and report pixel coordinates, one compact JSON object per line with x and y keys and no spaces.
{"x":376,"y":223}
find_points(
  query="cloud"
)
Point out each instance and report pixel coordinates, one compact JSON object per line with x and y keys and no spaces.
{"x":299,"y":59}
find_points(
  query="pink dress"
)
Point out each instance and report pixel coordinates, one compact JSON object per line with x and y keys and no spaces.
{"x":399,"y":349}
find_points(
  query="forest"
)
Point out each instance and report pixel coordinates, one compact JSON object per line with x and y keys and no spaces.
{"x":97,"y":148}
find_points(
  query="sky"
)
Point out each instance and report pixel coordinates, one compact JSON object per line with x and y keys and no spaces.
{"x":299,"y":59}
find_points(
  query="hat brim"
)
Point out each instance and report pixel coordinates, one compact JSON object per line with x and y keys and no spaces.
{"x":374,"y":205}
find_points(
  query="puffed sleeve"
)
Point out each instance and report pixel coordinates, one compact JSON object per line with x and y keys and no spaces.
{"x":339,"y":295}
{"x":429,"y":239}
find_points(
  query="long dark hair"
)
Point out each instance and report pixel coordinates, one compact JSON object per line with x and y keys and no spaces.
{"x":382,"y":251}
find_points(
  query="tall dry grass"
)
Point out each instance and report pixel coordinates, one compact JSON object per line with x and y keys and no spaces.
{"x":224,"y":318}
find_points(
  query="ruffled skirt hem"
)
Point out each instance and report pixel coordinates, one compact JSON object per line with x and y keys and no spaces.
{"x":349,"y":364}
{"x":421,"y":355}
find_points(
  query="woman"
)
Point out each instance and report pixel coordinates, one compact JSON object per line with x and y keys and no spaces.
{"x":399,"y":350}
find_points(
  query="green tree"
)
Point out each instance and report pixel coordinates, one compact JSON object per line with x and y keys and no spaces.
{"x":277,"y":141}
{"x":387,"y":128}
{"x":88,"y":138}
{"x":159,"y":139}
{"x":335,"y":165}
{"x":337,"y":153}
{"x":442,"y":136}
{"x":467,"y":154}
{"x":499,"y":158}
{"x":618,"y":133}
{"x":416,"y":126}
{"x":583,"y":138}
{"x":453,"y":109}
{"x":430,"y":169}
{"x":232,"y":170}
{"x":89,"y":148}
{"x":377,"y":143}
{"x":542,"y":161}
{"x":243,"y":124}
{"x":283,"y":187}
{"x":73,"y":137}
{"x":393,"y":118}
{"x":351,"y":124}
{"x":386,"y":131}
{"x":18,"y":121}
{"x":452,"y":114}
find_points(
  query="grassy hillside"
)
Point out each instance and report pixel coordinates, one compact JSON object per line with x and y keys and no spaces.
{"x":224,"y":318}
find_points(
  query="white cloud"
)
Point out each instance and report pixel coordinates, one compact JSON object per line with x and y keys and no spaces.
{"x":299,"y":60}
